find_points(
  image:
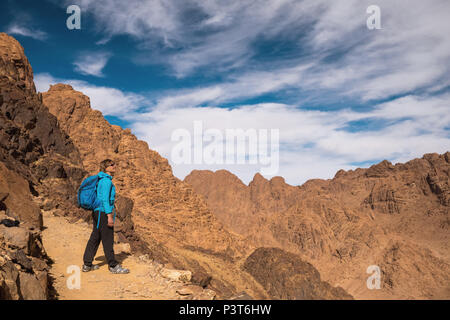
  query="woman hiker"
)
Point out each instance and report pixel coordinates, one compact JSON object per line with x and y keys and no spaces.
{"x":104,"y":229}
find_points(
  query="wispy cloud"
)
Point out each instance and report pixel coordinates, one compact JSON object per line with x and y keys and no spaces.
{"x":22,"y":30}
{"x":330,"y":38}
{"x":92,"y":63}
{"x":313,"y":144}
{"x":310,"y":50}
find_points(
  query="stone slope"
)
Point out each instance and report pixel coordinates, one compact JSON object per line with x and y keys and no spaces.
{"x":345,"y":224}
{"x":286,"y":276}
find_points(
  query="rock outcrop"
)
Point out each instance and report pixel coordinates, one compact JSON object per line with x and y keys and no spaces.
{"x":35,"y":155}
{"x":286,"y":276}
{"x":346,"y":224}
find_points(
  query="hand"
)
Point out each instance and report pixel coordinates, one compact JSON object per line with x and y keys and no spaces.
{"x":110,"y":220}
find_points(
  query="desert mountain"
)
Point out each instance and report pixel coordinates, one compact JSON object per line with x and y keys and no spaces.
{"x":395,"y":217}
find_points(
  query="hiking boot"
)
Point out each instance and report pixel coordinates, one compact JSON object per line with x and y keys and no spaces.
{"x":118,"y":269}
{"x":89,"y":268}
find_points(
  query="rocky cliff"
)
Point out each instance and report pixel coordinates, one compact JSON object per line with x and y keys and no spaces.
{"x":286,"y":276}
{"x":392,"y":216}
{"x":35,"y":155}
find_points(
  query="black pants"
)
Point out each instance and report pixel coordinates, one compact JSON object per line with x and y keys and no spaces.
{"x":105,"y":234}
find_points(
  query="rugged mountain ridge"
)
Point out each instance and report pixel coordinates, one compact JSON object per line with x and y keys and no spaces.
{"x":392,"y":216}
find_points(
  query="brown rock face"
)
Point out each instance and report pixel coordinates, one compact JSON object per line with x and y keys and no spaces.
{"x":14,"y":65}
{"x":344,"y":225}
{"x":36,"y":158}
{"x":163,"y":212}
{"x":242,"y":208}
{"x":286,"y":276}
{"x":31,"y":142}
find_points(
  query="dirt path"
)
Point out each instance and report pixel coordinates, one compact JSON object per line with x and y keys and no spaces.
{"x":65,"y":243}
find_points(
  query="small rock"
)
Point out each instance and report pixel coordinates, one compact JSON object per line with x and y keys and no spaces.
{"x":201,"y":278}
{"x":123,"y":247}
{"x":241,"y":296}
{"x":38,"y":264}
{"x":206,"y":294}
{"x":16,"y":237}
{"x":177,"y":275}
{"x":9,"y":222}
{"x":30,"y":287}
{"x":190,"y":290}
{"x":20,"y":258}
{"x":184,"y":291}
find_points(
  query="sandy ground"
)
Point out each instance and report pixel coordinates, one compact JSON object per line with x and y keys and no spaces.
{"x":65,"y":243}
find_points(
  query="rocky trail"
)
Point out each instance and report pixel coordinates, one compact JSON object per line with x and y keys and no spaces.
{"x":64,"y":243}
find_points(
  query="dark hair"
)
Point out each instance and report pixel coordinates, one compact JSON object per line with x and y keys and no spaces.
{"x":105,"y":164}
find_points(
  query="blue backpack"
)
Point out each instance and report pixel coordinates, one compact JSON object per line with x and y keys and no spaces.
{"x":87,"y":193}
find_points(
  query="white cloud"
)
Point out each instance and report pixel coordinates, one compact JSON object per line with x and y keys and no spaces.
{"x":405,"y":56}
{"x":337,"y":57}
{"x":246,"y":85}
{"x":17,"y":29}
{"x":313,"y":144}
{"x":411,"y":51}
{"x":92,"y":63}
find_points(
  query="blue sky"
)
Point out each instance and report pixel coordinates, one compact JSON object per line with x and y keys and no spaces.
{"x":341,"y":95}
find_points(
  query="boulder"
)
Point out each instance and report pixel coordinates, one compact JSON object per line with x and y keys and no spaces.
{"x":20,"y":258}
{"x":286,"y":276}
{"x":16,"y":238}
{"x":8,"y":281}
{"x":176,"y":275}
{"x":30,"y":287}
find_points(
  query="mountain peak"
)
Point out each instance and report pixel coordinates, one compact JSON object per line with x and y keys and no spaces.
{"x":258,"y":179}
{"x":60,"y":87}
{"x":14,"y":65}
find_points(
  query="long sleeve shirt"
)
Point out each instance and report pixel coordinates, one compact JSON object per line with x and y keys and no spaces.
{"x":106,"y":192}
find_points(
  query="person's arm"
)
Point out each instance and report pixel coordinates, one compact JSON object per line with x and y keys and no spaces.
{"x":103,"y":192}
